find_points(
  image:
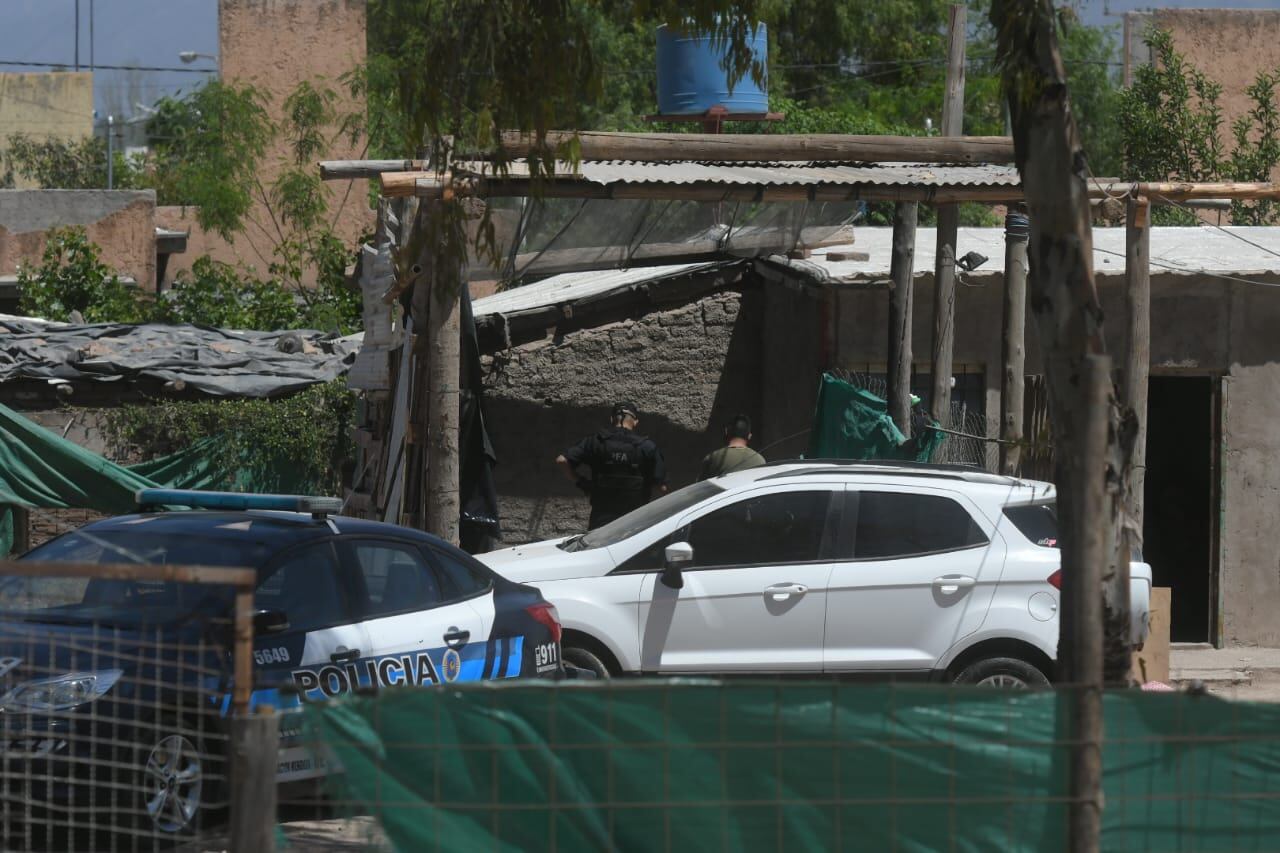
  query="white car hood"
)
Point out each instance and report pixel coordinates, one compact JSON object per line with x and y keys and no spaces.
{"x":544,"y":561}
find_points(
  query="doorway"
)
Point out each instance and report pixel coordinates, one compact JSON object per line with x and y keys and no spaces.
{"x":1180,"y":497}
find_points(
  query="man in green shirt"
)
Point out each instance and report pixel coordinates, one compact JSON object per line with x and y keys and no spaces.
{"x":735,"y":455}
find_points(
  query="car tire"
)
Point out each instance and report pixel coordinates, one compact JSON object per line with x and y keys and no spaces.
{"x":1002,"y":672}
{"x":180,"y":780}
{"x":586,"y":659}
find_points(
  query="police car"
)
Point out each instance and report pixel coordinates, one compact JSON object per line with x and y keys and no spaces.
{"x":341,"y":604}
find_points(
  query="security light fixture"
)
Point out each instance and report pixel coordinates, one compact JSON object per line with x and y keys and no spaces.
{"x":971,"y":261}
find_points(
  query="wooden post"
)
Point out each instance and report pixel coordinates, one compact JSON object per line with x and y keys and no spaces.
{"x":714,"y":147}
{"x":255,"y":745}
{"x":1087,"y":542}
{"x":1017,"y":228}
{"x":944,"y":270}
{"x":900,"y":298}
{"x":1134,"y":404}
{"x":443,"y":344}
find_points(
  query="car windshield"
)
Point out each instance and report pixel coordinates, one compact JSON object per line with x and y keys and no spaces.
{"x":645,"y":517}
{"x":120,"y":601}
{"x":1037,"y":522}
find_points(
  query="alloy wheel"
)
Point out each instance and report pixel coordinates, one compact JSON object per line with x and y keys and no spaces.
{"x":174,"y":781}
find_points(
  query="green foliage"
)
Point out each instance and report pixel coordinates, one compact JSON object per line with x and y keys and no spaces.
{"x":72,"y":277}
{"x":1171,"y":127}
{"x":217,"y":294}
{"x":209,"y":147}
{"x":57,"y":163}
{"x":298,"y":443}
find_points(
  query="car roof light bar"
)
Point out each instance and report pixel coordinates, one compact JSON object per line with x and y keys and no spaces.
{"x":319,"y":507}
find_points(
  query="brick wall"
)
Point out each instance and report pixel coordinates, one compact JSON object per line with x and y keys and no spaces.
{"x":688,"y":369}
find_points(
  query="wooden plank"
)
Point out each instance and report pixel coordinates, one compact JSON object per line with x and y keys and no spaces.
{"x":713,"y":147}
{"x":340,"y":170}
{"x":242,"y":578}
{"x":1151,"y":663}
{"x":900,"y":304}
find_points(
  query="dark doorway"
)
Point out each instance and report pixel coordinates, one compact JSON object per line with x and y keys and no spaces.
{"x":1179,"y":500}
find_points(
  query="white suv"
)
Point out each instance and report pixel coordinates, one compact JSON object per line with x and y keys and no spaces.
{"x":819,"y":567}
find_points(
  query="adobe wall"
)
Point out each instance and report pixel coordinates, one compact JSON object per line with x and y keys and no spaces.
{"x":688,"y":370}
{"x":1229,"y":45}
{"x":121,"y":222}
{"x":45,"y":105}
{"x":275,"y":45}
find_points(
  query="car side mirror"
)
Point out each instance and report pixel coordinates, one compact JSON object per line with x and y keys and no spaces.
{"x":269,"y":622}
{"x":676,"y":556}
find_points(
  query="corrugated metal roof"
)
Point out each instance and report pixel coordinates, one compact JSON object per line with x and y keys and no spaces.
{"x":577,"y":286}
{"x":1231,"y":250}
{"x":773,"y":174}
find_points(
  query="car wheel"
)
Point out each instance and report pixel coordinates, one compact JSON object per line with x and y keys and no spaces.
{"x":586,"y":659}
{"x":179,"y":781}
{"x":1005,"y":673}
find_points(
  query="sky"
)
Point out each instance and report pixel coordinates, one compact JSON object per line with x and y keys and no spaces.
{"x":125,"y":32}
{"x":153,"y":32}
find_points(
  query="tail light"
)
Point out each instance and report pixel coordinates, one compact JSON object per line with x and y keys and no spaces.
{"x":1055,"y":579}
{"x":547,"y":615}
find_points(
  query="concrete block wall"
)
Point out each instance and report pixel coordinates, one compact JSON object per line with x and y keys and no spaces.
{"x":688,"y":369}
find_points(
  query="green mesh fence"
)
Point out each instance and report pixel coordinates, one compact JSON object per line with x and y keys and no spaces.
{"x":686,"y":765}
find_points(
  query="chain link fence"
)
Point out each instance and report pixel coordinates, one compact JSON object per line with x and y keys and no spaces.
{"x":117,"y":702}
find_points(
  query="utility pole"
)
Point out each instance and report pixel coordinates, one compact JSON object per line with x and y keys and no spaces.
{"x":77,"y":35}
{"x":901,"y":265}
{"x":1013,"y":353}
{"x":944,"y":270}
{"x":111,"y":152}
{"x":91,"y":35}
{"x":1086,"y":427}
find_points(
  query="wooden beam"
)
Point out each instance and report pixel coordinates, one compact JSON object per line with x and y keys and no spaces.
{"x":1017,"y":229}
{"x":342,"y":170}
{"x":900,"y":304}
{"x":944,"y":271}
{"x":712,"y":147}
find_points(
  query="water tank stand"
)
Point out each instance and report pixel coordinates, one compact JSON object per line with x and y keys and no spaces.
{"x":713,"y":119}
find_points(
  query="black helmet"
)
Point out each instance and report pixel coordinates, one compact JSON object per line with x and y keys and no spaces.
{"x":625,"y":409}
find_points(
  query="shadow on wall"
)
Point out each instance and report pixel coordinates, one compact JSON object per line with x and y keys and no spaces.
{"x":682,"y":387}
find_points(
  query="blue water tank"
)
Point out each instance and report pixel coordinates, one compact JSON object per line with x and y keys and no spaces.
{"x":691,"y":81}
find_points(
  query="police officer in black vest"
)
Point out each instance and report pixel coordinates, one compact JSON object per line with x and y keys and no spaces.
{"x":625,"y":467}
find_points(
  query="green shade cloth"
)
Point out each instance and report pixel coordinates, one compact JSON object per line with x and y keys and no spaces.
{"x":41,"y":469}
{"x":650,"y":765}
{"x":852,"y":423}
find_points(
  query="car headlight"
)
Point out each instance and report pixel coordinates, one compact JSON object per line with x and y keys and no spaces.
{"x":61,"y":693}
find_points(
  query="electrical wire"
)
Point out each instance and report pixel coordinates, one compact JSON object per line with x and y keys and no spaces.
{"x":1204,"y":224}
{"x":1176,"y":268}
{"x":68,"y":65}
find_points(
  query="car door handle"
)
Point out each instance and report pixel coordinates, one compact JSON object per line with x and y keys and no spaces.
{"x":951,"y":584}
{"x":454,"y":638}
{"x":343,"y":654}
{"x":783,"y":591}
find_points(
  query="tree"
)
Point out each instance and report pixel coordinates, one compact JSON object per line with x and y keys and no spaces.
{"x":70,"y":164}
{"x":71,"y":278}
{"x":1171,"y":130}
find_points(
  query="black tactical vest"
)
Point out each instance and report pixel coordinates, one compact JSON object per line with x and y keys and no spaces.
{"x":617,"y":468}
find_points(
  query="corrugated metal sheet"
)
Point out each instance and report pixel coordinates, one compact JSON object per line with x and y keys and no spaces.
{"x":1231,"y":250}
{"x":774,"y":174}
{"x":576,"y":286}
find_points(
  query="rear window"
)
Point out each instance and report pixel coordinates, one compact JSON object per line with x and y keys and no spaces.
{"x":1039,"y":523}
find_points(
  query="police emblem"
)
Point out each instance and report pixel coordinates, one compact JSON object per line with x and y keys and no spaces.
{"x":452,"y":665}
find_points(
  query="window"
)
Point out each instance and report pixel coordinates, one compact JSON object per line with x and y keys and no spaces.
{"x":647,"y":516}
{"x":396,"y":578}
{"x":306,"y":588}
{"x":892,"y":524}
{"x":1039,"y":523}
{"x":459,"y":577}
{"x":783,"y":527}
